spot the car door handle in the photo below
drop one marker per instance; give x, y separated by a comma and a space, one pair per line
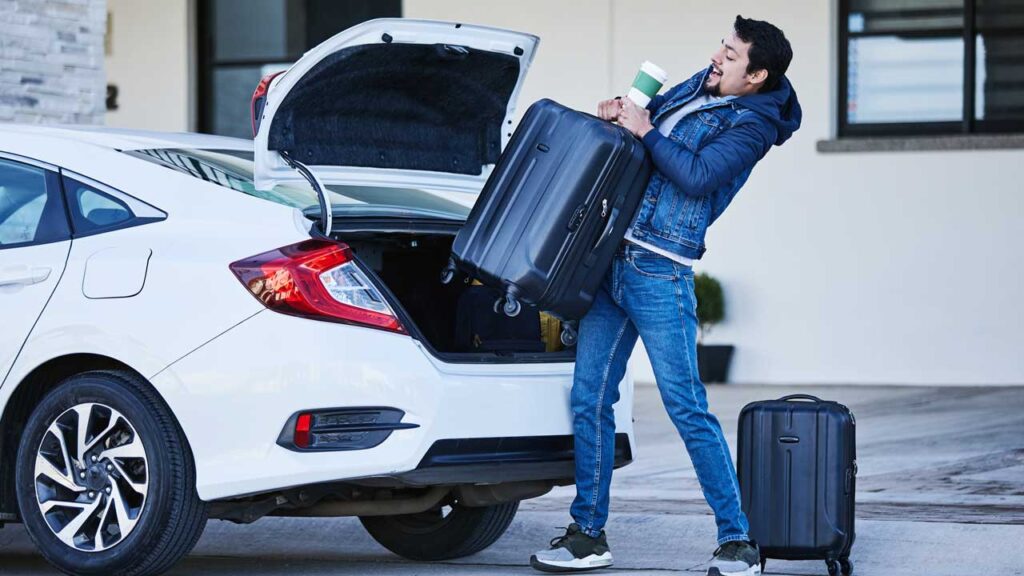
24, 275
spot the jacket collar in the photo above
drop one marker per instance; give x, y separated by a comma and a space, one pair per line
691, 89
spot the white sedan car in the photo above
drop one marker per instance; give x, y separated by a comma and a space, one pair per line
190, 331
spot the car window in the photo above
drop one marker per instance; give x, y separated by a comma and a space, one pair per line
94, 210
31, 211
100, 210
21, 225
234, 169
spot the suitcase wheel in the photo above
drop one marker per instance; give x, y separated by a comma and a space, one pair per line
448, 274
568, 335
833, 567
509, 305
846, 565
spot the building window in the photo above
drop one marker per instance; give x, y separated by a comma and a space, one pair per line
910, 67
240, 41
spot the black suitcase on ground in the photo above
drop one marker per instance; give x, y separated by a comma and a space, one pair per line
553, 211
797, 469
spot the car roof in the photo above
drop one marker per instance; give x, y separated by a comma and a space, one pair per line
125, 139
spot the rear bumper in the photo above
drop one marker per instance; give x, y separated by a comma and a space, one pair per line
497, 460
234, 395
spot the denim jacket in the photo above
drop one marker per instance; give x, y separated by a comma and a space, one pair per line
705, 160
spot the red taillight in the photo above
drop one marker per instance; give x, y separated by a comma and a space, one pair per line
316, 279
259, 99
302, 426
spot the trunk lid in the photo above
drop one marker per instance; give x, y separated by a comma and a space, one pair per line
395, 102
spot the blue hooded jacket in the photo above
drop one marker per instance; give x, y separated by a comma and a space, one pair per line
705, 160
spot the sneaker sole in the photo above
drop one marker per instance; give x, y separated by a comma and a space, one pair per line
592, 562
752, 571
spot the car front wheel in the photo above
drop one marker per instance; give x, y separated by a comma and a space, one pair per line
105, 478
447, 532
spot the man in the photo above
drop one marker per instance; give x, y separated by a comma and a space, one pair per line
704, 136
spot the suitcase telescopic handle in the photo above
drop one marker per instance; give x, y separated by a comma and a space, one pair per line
800, 397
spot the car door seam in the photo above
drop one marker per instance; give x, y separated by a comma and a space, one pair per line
64, 269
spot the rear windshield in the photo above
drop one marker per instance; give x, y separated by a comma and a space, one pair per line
234, 169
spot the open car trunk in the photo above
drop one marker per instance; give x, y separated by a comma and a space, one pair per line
394, 101
409, 264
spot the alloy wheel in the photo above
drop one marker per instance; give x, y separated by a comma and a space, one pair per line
91, 477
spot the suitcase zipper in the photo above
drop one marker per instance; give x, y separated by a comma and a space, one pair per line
612, 169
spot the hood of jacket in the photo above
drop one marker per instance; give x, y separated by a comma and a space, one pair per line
780, 107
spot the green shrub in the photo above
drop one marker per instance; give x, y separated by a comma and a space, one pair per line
710, 302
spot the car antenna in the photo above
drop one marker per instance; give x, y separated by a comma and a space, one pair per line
326, 210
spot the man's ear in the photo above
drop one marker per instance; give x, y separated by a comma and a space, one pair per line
758, 78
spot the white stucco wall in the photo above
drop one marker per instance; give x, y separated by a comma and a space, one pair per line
151, 64
838, 268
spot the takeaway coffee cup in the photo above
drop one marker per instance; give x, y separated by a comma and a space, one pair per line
649, 80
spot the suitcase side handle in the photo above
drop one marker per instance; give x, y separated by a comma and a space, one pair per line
608, 229
800, 397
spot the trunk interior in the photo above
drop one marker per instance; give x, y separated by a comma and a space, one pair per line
409, 264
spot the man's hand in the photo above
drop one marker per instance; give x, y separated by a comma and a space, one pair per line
634, 118
609, 109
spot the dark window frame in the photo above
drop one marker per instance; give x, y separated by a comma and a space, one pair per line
75, 216
968, 124
207, 61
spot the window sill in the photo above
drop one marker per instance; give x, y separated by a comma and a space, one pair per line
923, 143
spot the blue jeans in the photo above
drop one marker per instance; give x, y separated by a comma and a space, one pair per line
649, 296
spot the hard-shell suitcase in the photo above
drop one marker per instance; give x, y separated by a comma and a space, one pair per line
553, 211
797, 467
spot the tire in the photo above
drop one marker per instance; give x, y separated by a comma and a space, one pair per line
157, 515
434, 535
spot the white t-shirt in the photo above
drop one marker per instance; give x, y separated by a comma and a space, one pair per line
665, 127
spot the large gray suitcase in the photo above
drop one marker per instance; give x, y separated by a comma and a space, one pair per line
553, 211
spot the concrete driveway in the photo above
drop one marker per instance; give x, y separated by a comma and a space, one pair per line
940, 492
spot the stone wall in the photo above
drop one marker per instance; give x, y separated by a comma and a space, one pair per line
51, 61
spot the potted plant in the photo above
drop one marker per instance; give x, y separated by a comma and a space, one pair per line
712, 360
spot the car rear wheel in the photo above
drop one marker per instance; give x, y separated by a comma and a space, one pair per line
447, 532
105, 478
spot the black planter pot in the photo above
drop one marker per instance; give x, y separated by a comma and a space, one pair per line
713, 362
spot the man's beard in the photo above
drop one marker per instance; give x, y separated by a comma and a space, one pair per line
713, 90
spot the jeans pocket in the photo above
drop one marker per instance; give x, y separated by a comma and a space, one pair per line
655, 267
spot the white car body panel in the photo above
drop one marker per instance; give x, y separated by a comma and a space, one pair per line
236, 420
116, 272
207, 228
271, 169
28, 276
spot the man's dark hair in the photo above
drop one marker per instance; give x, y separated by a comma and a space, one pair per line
769, 49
